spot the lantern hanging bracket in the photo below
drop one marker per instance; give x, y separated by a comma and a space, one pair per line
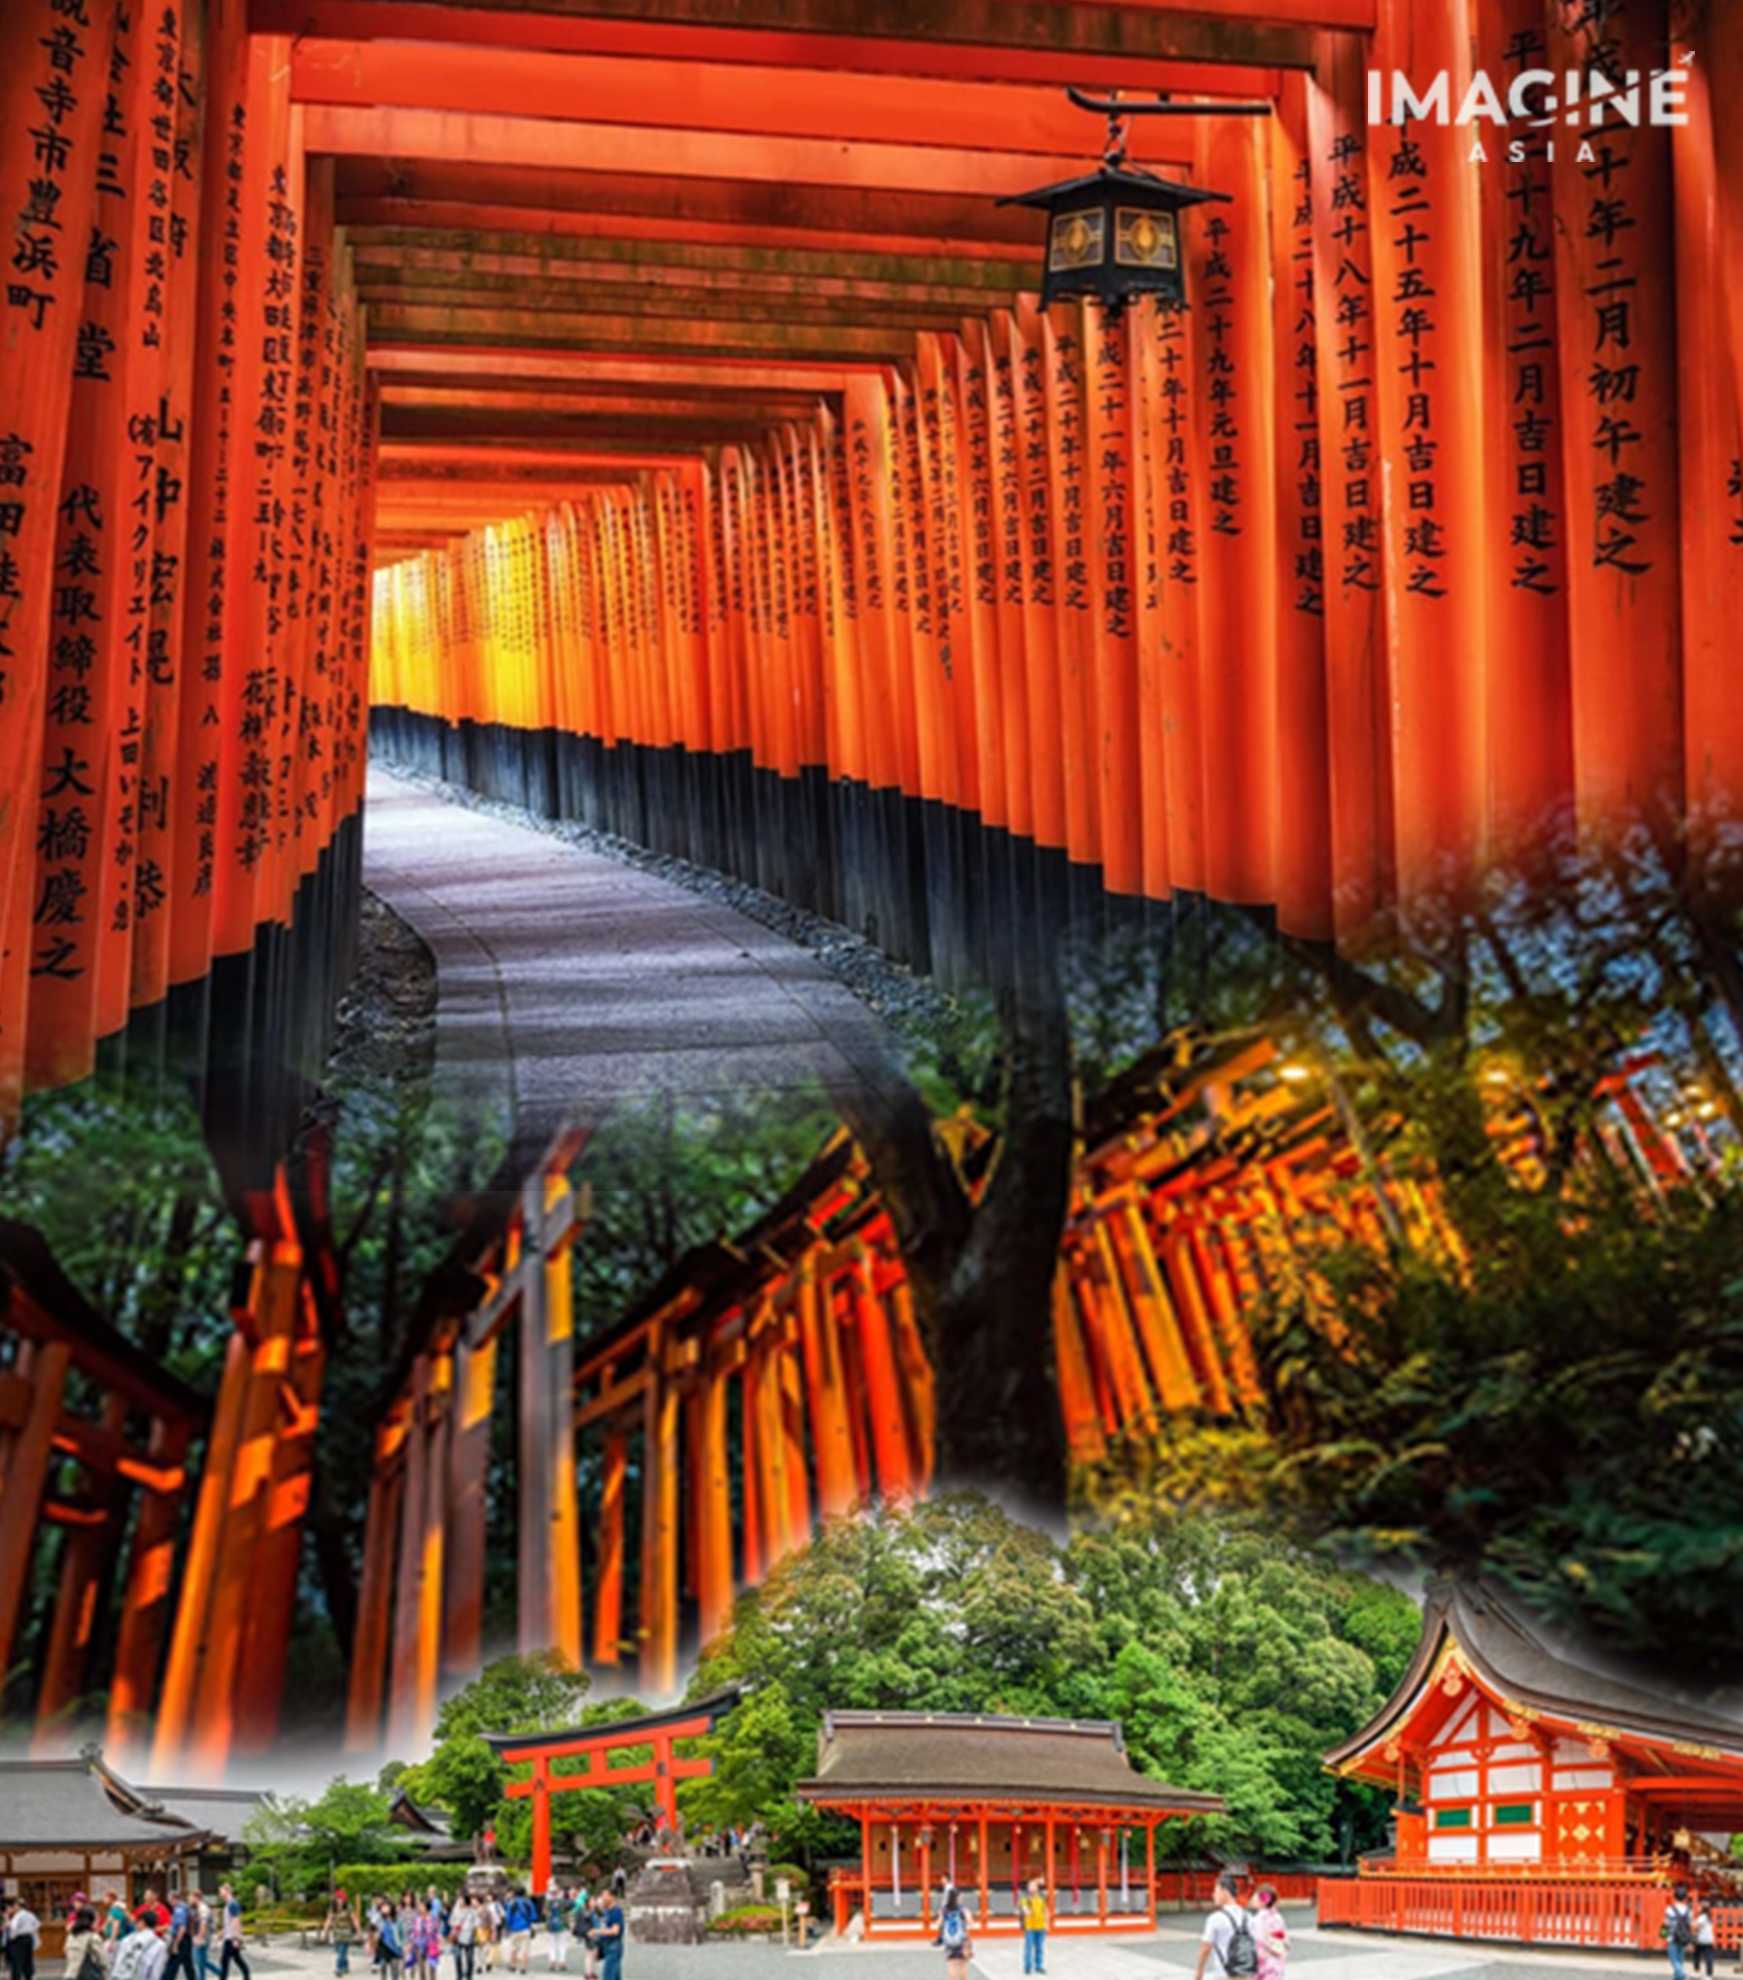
1119, 114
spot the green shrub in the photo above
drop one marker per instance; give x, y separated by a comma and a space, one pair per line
744, 1919
362, 1881
795, 1873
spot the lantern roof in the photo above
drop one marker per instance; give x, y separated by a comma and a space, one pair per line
1129, 181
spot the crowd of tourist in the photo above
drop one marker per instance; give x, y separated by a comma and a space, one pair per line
183, 1937
407, 1938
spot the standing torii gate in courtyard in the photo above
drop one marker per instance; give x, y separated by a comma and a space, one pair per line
647, 1747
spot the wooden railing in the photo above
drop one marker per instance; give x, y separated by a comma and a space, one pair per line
1181, 1888
1615, 1915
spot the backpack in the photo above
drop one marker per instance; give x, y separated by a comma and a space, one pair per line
91, 1966
1682, 1925
1242, 1956
129, 1956
953, 1930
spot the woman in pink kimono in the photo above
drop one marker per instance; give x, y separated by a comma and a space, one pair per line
1270, 1934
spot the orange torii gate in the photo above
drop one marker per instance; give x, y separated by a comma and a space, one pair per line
781, 1377
83, 1477
421, 1603
192, 1507
594, 1746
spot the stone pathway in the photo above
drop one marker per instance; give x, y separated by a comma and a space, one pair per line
1172, 1949
568, 983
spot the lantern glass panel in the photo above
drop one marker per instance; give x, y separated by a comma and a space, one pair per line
1076, 240
1143, 239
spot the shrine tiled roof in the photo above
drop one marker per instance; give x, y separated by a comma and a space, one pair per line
81, 1804
1522, 1665
982, 1758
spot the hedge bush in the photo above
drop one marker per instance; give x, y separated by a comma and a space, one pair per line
743, 1919
362, 1881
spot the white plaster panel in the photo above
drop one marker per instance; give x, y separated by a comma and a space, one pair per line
1452, 1783
1452, 1849
1567, 1778
1516, 1780
1515, 1846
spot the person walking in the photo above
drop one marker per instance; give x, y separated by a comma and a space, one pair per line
180, 1963
85, 1956
557, 1929
463, 1936
341, 1929
953, 1936
1706, 1937
230, 1935
1678, 1929
1034, 1928
1227, 1946
610, 1937
23, 1931
517, 1931
1270, 1934
583, 1918
142, 1954
389, 1948
117, 1924
491, 1916
202, 1934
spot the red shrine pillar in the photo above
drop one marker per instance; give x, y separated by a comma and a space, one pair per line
541, 1824
665, 1788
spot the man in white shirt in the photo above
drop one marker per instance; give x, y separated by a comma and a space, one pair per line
142, 1955
23, 1930
1220, 1927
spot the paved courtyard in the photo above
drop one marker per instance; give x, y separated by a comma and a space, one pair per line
1170, 1950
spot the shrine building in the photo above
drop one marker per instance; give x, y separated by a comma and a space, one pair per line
1540, 1794
72, 1826
986, 1803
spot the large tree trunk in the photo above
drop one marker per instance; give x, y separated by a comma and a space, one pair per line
982, 1272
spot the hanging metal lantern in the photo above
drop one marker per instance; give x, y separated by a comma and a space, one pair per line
1116, 233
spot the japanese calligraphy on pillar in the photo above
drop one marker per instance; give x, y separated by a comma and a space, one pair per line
1616, 298
85, 840
1237, 599
1355, 656
1117, 743
1298, 408
1303, 767
1428, 347
53, 102
1003, 495
979, 578
1063, 352
158, 435
1530, 735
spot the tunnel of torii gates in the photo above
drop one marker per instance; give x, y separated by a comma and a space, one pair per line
641, 410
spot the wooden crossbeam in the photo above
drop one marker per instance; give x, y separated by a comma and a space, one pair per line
676, 256
1156, 47
744, 100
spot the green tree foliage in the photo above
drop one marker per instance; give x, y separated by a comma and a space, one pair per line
1555, 1395
118, 1179
294, 1842
1232, 1659
663, 1179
